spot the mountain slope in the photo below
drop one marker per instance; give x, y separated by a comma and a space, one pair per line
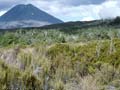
27, 14
115, 22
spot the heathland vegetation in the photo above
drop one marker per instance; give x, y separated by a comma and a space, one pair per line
54, 59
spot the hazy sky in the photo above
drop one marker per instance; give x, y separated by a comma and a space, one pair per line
70, 10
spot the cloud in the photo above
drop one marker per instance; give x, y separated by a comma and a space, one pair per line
83, 2
68, 12
71, 10
73, 2
110, 9
6, 4
2, 12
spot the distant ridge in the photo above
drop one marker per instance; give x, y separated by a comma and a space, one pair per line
26, 16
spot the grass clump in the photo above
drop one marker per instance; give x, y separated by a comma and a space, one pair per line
88, 59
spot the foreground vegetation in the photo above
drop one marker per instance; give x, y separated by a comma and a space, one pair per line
84, 59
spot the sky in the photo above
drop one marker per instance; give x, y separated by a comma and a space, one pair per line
70, 10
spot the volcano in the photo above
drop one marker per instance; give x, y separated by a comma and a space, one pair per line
28, 15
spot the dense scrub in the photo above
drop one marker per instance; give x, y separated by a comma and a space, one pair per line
36, 36
56, 60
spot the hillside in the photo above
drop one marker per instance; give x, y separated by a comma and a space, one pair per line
26, 16
69, 66
38, 51
53, 59
68, 26
115, 22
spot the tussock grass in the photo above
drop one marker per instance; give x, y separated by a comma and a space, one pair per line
55, 60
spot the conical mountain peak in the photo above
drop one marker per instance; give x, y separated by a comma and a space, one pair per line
28, 12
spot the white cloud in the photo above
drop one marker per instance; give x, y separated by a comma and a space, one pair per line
87, 19
2, 12
108, 9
